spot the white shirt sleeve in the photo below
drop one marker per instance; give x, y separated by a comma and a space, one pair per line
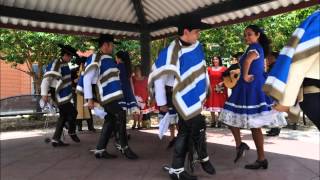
45, 86
160, 90
87, 83
307, 67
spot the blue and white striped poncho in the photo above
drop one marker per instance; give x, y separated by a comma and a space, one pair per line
191, 79
108, 84
305, 42
61, 72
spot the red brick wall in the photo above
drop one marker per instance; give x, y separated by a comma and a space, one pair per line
13, 82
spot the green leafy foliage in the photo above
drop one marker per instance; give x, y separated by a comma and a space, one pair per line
20, 47
228, 40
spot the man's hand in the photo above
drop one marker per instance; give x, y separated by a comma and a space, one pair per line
164, 108
90, 104
281, 108
45, 99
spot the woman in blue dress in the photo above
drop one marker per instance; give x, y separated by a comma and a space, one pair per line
248, 106
129, 102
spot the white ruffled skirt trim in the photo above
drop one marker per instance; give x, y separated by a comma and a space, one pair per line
212, 109
270, 119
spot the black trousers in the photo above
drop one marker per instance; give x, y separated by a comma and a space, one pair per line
115, 120
68, 114
191, 131
311, 107
89, 122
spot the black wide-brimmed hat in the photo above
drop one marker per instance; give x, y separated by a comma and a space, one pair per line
106, 38
190, 22
68, 49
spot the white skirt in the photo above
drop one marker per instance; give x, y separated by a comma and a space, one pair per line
270, 119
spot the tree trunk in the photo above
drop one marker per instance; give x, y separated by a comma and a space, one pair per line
37, 86
40, 76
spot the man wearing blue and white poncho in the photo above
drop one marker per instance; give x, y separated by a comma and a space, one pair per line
296, 75
57, 82
101, 72
181, 66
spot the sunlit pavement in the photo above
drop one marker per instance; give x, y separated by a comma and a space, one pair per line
294, 155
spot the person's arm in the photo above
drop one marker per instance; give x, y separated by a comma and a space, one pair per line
131, 84
160, 92
307, 67
252, 55
87, 87
45, 85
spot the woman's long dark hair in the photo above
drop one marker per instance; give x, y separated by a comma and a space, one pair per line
125, 57
263, 39
220, 60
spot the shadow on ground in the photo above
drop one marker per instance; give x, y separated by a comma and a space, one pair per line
31, 158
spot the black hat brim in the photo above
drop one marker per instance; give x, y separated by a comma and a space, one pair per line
191, 22
68, 49
98, 40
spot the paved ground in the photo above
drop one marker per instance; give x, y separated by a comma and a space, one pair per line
294, 155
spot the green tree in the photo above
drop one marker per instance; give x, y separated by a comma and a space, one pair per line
133, 47
228, 40
39, 48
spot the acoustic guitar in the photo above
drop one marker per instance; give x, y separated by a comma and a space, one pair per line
231, 76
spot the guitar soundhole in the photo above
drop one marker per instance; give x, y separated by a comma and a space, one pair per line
235, 76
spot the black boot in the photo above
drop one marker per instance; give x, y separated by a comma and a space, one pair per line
92, 129
213, 124
182, 176
258, 164
274, 132
75, 138
269, 131
129, 153
103, 154
208, 167
240, 151
219, 124
59, 143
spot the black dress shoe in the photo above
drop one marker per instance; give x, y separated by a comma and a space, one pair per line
75, 138
59, 143
129, 153
92, 129
240, 151
208, 167
105, 155
269, 131
273, 134
213, 125
257, 165
183, 176
219, 124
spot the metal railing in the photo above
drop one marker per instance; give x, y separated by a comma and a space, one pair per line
20, 105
